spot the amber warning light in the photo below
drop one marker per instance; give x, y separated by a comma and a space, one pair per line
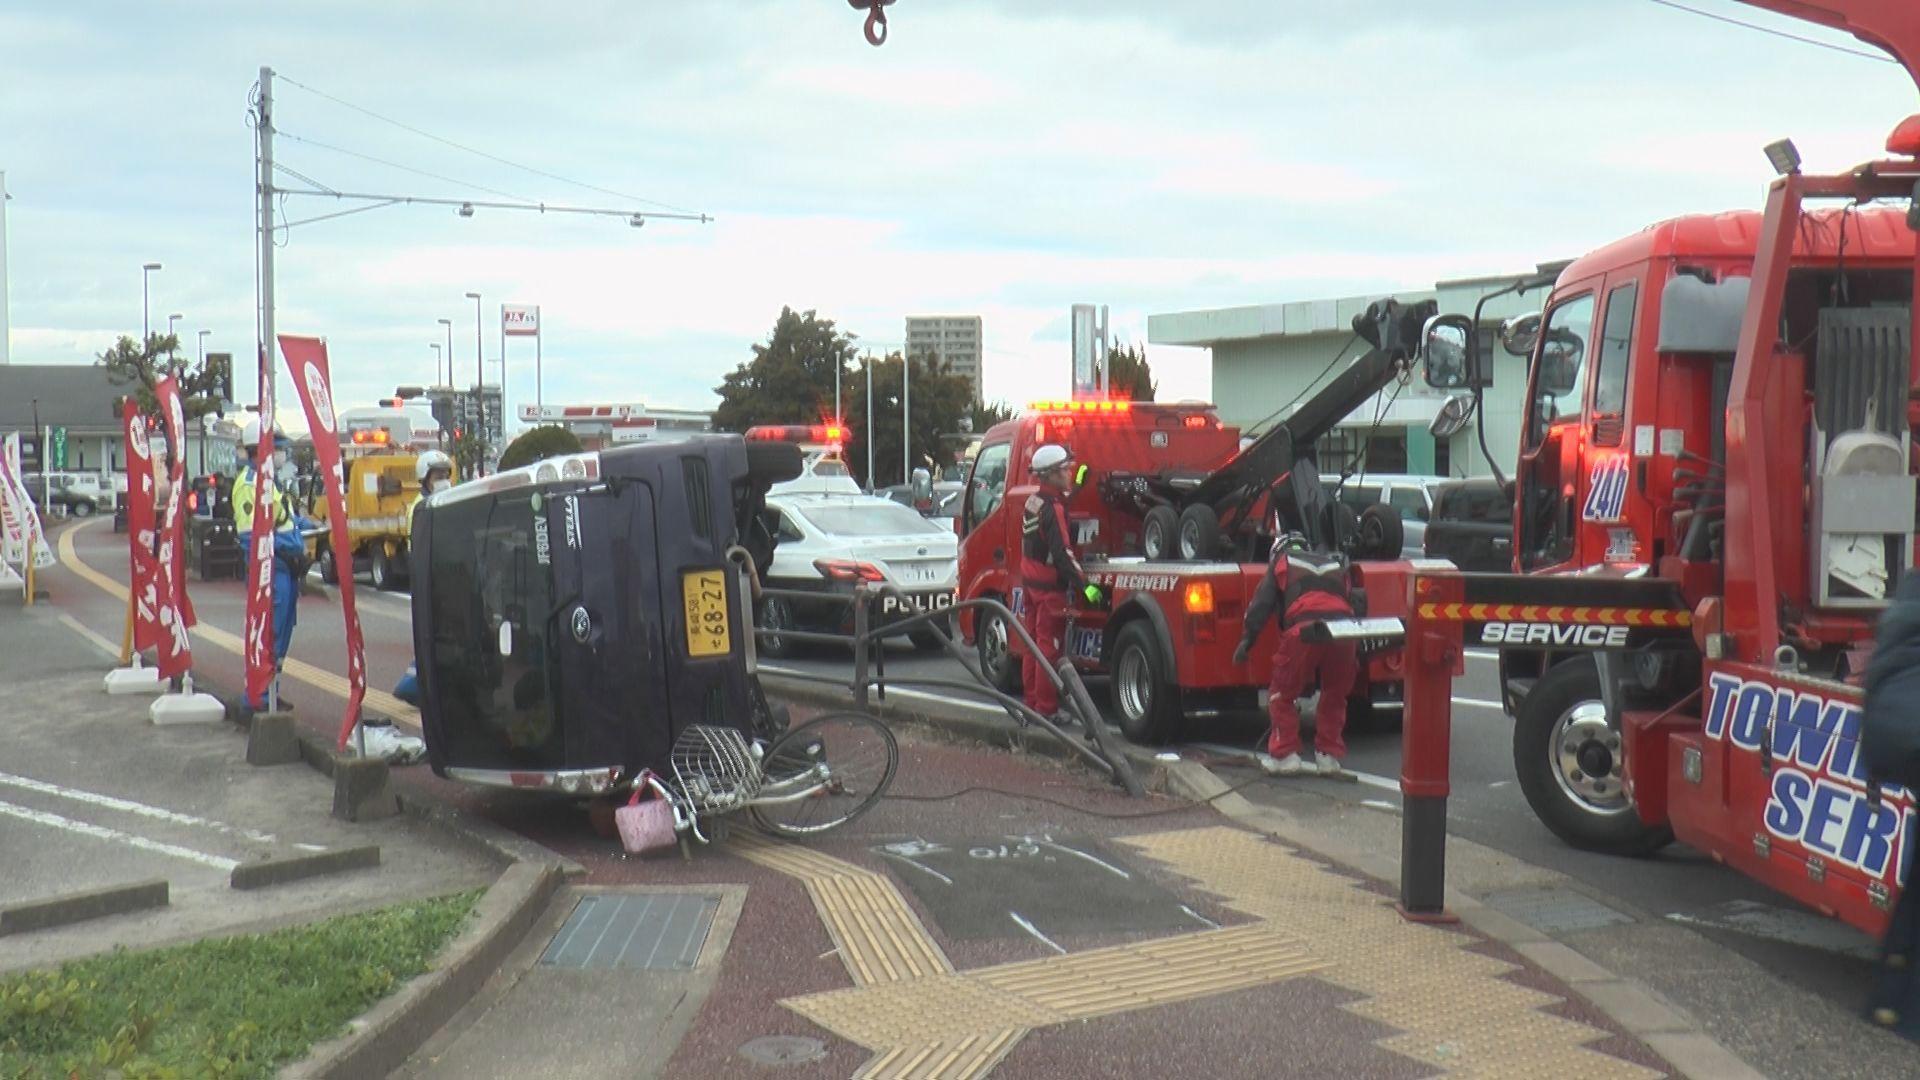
798, 433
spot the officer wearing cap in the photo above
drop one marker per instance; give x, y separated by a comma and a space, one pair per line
1049, 572
289, 550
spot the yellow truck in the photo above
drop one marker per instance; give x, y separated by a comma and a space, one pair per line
381, 489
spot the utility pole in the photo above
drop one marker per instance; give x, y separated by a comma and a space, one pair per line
267, 345
906, 419
479, 386
869, 365
5, 355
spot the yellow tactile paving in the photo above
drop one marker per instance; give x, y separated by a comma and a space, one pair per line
960, 1059
299, 670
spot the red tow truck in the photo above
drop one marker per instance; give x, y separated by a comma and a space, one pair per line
1715, 498
1175, 602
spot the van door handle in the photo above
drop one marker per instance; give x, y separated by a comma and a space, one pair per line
999, 554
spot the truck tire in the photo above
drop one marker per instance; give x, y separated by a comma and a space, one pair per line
1144, 693
1568, 761
1199, 532
329, 570
382, 571
1381, 533
1159, 533
992, 643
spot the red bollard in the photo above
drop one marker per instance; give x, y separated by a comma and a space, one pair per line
1433, 657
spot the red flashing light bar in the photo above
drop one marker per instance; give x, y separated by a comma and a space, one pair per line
376, 437
1082, 406
798, 433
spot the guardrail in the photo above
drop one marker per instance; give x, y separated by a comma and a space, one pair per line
870, 678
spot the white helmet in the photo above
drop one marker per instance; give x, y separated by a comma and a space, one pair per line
429, 461
1050, 457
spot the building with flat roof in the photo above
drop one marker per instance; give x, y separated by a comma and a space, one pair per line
1267, 358
952, 339
84, 403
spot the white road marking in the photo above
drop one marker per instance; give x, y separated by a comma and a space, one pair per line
1384, 783
1035, 931
1101, 863
1199, 916
1480, 703
1501, 784
1779, 924
1380, 804
917, 866
129, 806
96, 640
100, 832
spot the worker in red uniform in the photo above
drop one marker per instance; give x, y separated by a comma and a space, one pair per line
1048, 572
1300, 587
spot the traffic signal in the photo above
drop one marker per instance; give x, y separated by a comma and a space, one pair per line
443, 413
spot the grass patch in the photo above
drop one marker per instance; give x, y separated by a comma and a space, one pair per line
227, 1008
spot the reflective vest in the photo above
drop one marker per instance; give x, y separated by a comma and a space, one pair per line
1038, 551
1316, 586
243, 496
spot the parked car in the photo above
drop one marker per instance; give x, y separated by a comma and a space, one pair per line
943, 502
1472, 525
1411, 496
66, 494
828, 544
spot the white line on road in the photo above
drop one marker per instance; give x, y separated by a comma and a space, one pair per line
1380, 804
100, 832
1031, 929
1101, 863
1482, 654
917, 866
1199, 916
84, 631
1480, 703
129, 806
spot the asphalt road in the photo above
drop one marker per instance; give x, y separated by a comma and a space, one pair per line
1679, 884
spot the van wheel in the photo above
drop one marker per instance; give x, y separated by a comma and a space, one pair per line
776, 614
82, 509
993, 643
382, 569
1143, 690
1568, 760
1159, 533
1199, 532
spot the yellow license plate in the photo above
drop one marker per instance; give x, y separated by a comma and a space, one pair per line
709, 626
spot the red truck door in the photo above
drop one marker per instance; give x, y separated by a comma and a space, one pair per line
989, 555
1553, 489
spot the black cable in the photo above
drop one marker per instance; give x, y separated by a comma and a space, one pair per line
1251, 428
1816, 42
478, 153
396, 165
1162, 812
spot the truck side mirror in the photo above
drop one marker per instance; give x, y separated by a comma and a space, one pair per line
1518, 334
1446, 352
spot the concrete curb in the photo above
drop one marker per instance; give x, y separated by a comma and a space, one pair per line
1641, 1013
69, 908
381, 1040
279, 871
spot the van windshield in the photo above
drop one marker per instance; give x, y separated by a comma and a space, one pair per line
492, 571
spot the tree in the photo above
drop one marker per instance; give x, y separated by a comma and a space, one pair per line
790, 378
203, 384
550, 440
1128, 376
939, 400
988, 414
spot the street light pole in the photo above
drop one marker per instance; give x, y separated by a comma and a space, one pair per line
870, 484
146, 327
435, 346
906, 420
203, 347
448, 323
171, 319
479, 384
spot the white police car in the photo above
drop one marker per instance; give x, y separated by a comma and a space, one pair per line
829, 543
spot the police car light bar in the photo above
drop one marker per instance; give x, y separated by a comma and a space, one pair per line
1380, 631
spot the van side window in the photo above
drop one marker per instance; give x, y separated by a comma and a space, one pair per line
989, 483
1616, 341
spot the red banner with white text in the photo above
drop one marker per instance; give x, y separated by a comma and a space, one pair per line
307, 358
258, 641
141, 536
175, 612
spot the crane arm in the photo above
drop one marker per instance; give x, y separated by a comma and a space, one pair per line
1889, 25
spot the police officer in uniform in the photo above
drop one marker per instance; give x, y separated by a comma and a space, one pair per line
1048, 572
1300, 587
289, 551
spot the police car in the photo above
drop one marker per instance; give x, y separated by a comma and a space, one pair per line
829, 543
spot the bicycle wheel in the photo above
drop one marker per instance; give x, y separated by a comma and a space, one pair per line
849, 758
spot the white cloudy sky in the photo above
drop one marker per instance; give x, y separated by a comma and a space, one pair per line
998, 157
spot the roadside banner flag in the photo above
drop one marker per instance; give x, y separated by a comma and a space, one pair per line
19, 523
175, 612
258, 641
307, 357
142, 538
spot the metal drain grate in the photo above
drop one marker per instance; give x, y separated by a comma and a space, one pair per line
1555, 911
634, 931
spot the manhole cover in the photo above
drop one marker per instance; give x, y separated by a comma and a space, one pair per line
783, 1050
634, 931
1554, 911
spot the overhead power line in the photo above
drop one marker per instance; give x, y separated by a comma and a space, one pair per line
402, 125
395, 165
1816, 42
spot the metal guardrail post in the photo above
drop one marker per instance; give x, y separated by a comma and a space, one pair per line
1097, 730
1434, 656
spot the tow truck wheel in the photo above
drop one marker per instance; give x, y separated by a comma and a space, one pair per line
1382, 533
991, 640
1199, 532
1569, 762
382, 572
329, 569
1147, 700
1159, 532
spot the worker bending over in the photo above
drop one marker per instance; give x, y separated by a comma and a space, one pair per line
1299, 588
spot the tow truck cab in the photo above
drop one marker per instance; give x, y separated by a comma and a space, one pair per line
1169, 631
571, 617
